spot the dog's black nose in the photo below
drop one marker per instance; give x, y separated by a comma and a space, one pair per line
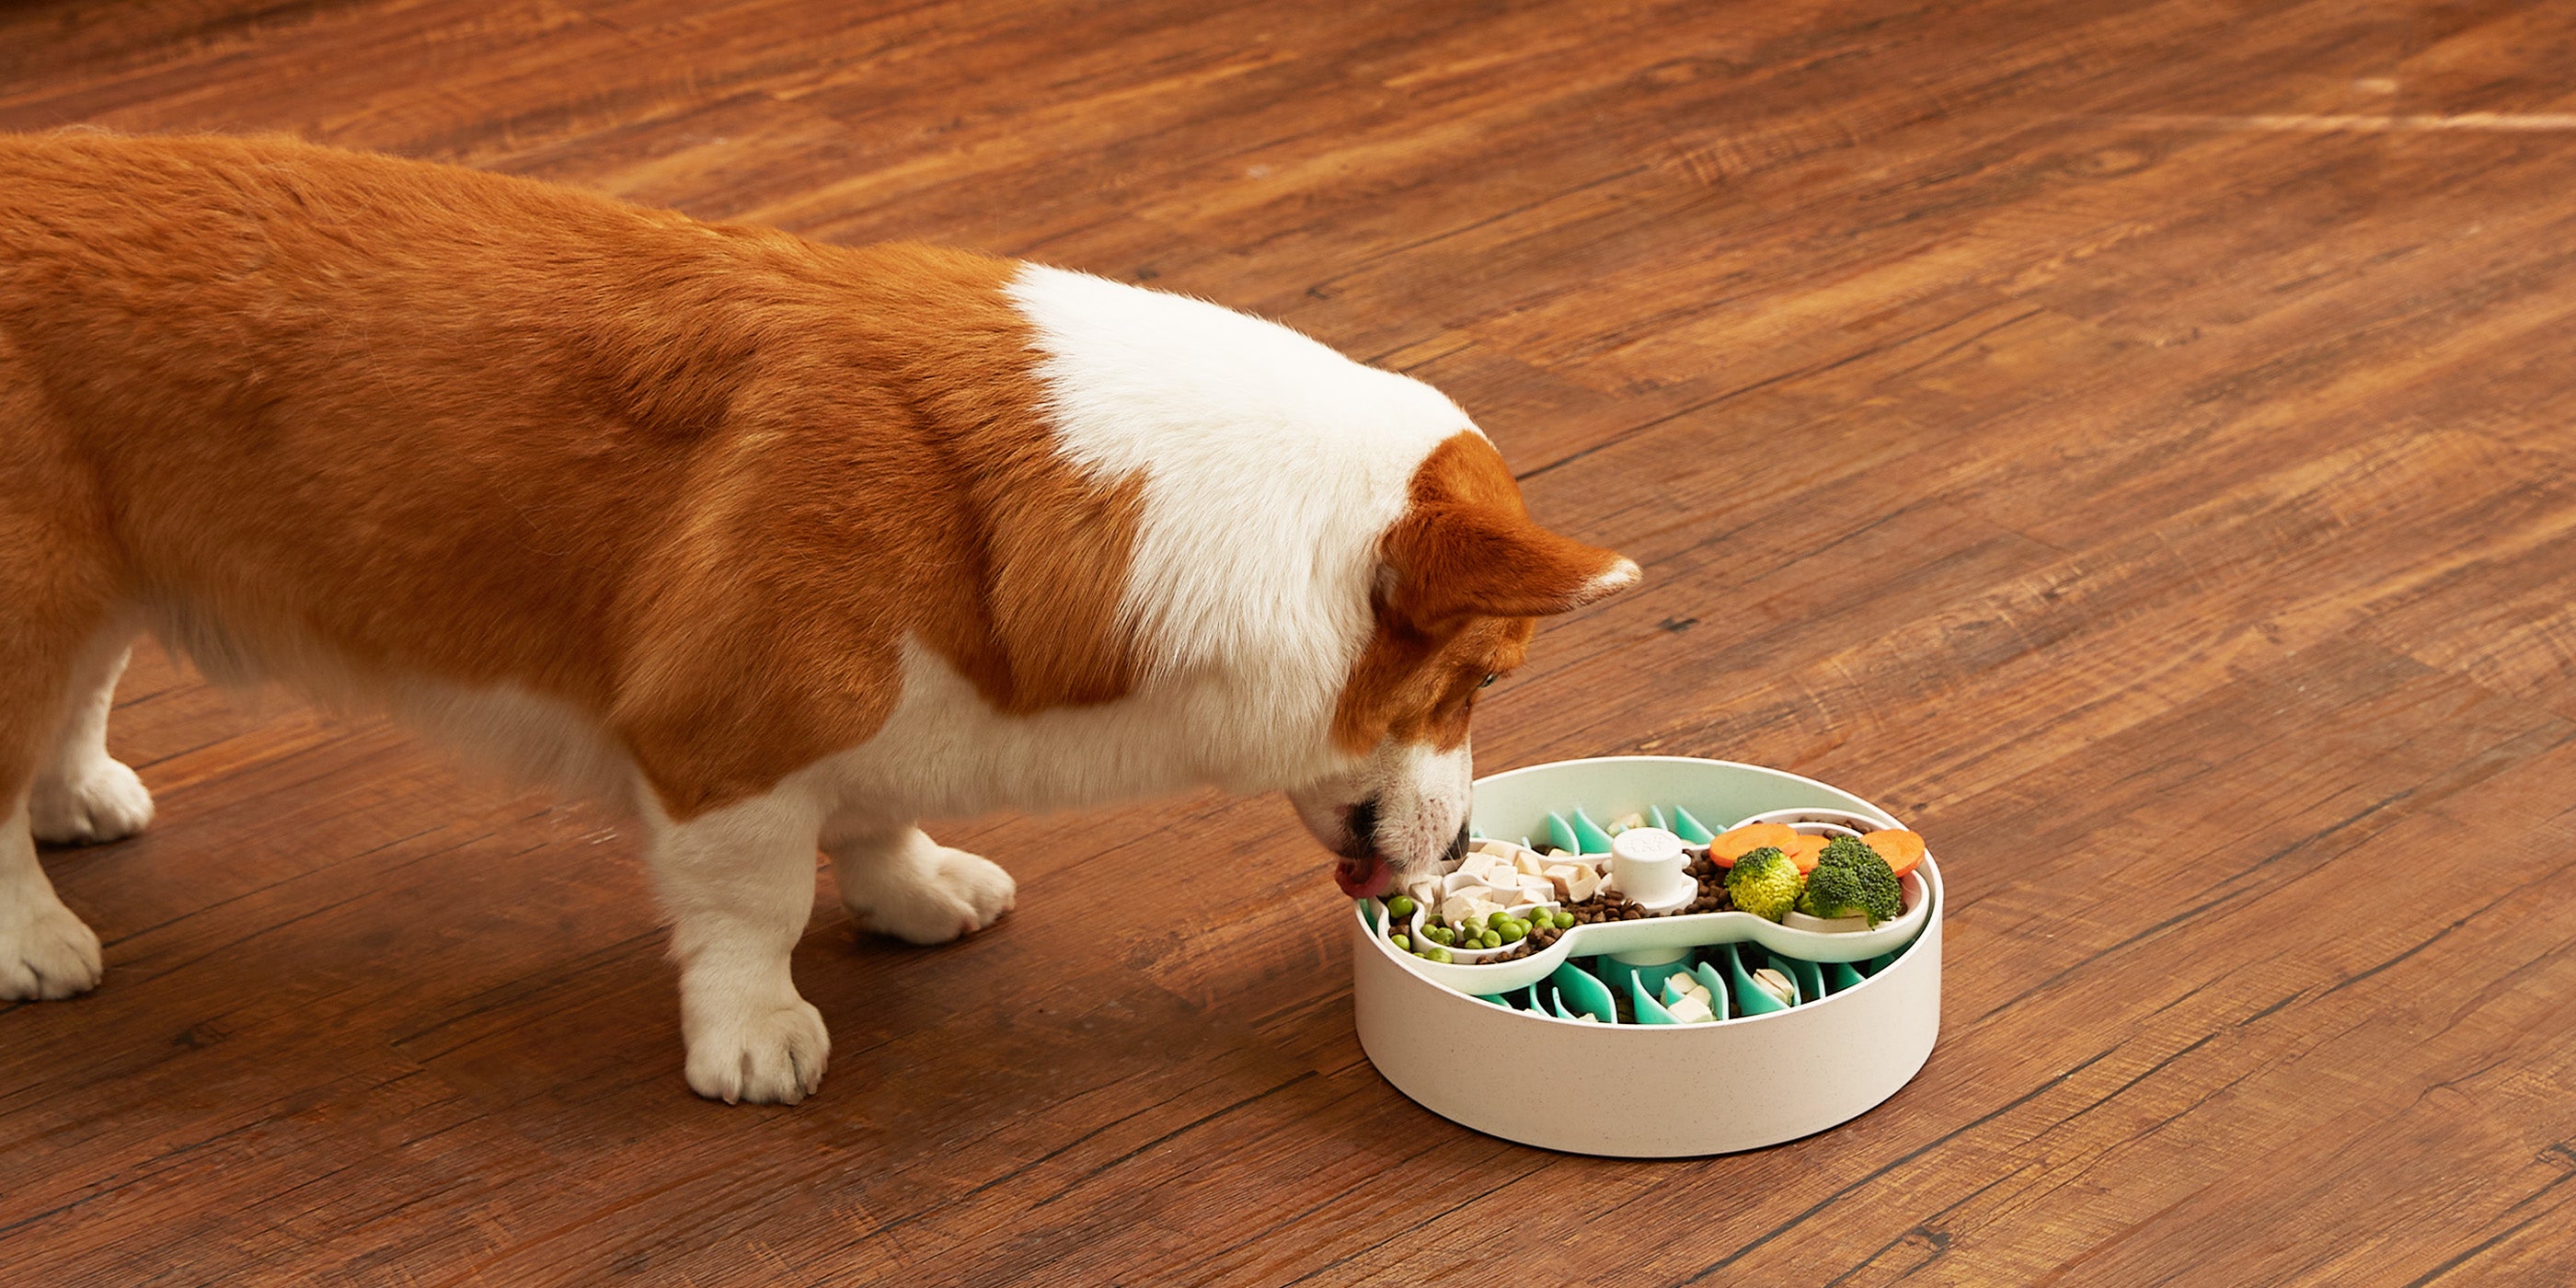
1363, 825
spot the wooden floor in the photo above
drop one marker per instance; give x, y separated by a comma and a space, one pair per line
2132, 440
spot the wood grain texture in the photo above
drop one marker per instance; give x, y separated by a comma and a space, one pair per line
2131, 440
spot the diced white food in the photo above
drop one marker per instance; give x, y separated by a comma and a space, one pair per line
1691, 1010
1581, 882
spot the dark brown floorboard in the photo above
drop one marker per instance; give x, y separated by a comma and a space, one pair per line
2133, 440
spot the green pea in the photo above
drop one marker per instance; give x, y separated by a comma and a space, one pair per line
1403, 942
1564, 919
1514, 932
1399, 907
1436, 953
1491, 939
1497, 920
1439, 935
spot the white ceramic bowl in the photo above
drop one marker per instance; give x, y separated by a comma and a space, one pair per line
1649, 1091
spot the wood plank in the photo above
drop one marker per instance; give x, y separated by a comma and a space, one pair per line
2130, 441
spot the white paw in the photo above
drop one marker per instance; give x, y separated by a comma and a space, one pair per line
45, 951
954, 893
101, 801
773, 1056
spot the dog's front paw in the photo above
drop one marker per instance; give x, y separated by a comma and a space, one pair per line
98, 802
770, 1056
45, 951
944, 894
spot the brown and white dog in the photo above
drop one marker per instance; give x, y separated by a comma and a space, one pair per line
778, 545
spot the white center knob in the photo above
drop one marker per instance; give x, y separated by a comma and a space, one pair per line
1648, 863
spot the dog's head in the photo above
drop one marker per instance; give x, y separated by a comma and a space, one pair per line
1461, 578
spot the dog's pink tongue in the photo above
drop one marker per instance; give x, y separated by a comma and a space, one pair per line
1363, 878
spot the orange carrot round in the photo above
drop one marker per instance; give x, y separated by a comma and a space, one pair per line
1901, 849
1735, 843
1804, 851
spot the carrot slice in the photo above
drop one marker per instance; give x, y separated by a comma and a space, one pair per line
1901, 849
1804, 851
1735, 843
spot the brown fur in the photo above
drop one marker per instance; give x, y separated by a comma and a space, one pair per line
696, 480
1468, 570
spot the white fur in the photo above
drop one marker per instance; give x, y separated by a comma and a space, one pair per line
84, 796
45, 951
1272, 466
738, 886
81, 795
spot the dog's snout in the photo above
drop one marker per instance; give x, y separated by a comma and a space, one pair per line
1458, 844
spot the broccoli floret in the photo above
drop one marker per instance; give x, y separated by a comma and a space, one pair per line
1765, 883
1850, 880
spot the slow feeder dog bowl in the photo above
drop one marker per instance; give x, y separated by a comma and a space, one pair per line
1493, 1047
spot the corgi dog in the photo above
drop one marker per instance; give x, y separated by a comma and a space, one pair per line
775, 546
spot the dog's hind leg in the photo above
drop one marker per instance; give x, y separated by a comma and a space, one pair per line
84, 795
899, 882
738, 885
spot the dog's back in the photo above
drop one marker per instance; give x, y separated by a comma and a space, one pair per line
337, 417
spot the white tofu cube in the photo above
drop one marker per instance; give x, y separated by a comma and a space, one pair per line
1624, 822
1558, 876
1503, 848
1691, 1010
1581, 882
1528, 863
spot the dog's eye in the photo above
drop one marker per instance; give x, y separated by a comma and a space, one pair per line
1488, 681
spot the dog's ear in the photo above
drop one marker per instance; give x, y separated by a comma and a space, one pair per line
1451, 559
